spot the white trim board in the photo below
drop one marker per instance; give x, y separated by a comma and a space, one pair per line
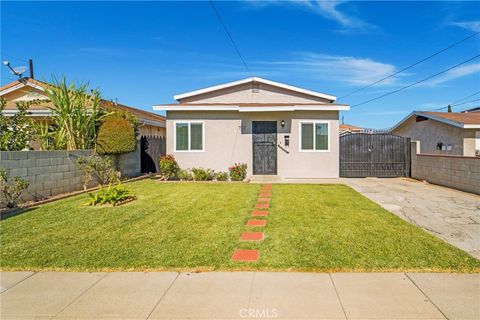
21, 85
322, 107
254, 79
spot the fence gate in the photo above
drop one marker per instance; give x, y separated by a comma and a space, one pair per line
151, 149
374, 155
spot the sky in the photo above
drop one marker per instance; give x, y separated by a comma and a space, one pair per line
143, 53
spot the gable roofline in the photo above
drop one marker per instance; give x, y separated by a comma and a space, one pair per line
144, 116
254, 79
436, 118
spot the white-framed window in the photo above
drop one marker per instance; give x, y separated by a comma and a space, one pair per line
314, 136
189, 136
477, 143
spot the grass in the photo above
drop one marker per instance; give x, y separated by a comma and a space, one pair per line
196, 226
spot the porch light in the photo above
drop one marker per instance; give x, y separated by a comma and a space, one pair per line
282, 123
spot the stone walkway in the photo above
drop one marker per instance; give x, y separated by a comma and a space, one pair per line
238, 295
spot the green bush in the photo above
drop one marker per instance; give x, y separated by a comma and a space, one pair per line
168, 167
185, 175
114, 195
11, 192
238, 172
98, 168
200, 174
221, 176
115, 136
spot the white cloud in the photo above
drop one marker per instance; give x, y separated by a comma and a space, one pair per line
327, 9
456, 73
352, 70
469, 25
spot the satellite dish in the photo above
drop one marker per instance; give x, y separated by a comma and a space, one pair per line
18, 71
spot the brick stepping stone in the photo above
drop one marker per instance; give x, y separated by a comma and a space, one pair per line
241, 255
251, 236
264, 194
259, 213
256, 223
262, 206
263, 199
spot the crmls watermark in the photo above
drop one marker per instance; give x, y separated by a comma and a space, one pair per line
258, 313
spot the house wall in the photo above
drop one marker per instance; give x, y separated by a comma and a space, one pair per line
430, 132
152, 131
244, 94
228, 139
458, 172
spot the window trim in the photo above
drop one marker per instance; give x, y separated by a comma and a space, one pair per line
189, 122
314, 122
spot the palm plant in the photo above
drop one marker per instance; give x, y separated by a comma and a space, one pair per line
76, 115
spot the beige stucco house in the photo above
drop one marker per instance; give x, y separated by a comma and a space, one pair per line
27, 89
449, 133
276, 129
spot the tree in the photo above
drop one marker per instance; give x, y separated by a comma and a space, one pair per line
76, 115
16, 131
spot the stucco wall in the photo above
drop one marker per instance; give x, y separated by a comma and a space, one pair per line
458, 172
244, 94
228, 139
430, 132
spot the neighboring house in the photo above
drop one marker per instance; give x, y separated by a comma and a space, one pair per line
348, 128
276, 129
454, 133
26, 89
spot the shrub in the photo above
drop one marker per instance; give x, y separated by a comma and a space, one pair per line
200, 174
115, 136
221, 176
168, 167
16, 131
238, 172
114, 195
185, 175
11, 191
98, 168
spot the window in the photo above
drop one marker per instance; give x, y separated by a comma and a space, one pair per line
314, 136
189, 136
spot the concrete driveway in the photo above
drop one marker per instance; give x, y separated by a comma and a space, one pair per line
449, 214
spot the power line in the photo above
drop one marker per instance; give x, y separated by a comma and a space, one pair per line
415, 83
469, 96
459, 104
455, 103
230, 36
411, 66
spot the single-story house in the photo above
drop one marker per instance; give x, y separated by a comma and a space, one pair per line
275, 128
349, 128
451, 133
27, 89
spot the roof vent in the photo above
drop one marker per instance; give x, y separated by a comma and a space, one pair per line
255, 87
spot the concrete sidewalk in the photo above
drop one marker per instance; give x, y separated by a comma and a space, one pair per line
238, 295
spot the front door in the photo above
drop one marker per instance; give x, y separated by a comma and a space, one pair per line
264, 135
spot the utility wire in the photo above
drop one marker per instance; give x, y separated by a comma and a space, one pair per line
459, 104
469, 96
230, 37
415, 83
455, 103
411, 66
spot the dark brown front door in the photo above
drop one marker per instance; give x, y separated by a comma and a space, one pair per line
264, 135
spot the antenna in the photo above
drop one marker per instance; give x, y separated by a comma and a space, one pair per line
17, 71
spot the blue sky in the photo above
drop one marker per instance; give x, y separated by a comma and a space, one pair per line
143, 53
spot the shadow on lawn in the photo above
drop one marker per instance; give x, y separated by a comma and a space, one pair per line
10, 213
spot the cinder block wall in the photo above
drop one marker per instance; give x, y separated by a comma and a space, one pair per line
54, 172
458, 172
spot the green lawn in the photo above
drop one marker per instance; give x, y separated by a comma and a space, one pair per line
196, 226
